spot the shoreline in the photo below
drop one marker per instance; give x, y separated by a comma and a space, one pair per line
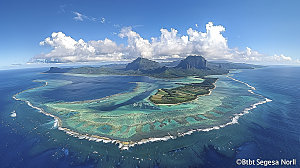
125, 145
210, 91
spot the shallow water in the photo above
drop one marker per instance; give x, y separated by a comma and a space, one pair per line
32, 140
128, 115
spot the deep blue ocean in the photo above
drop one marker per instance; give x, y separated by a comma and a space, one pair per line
269, 132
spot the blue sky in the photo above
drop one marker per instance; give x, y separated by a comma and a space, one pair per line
268, 27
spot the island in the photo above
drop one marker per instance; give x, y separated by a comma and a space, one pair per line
190, 66
142, 101
185, 93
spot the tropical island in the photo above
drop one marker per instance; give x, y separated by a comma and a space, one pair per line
142, 101
190, 66
184, 93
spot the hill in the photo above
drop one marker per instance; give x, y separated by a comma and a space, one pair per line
190, 62
190, 66
142, 64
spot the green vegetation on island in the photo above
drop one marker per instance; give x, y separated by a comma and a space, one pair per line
184, 93
190, 66
142, 64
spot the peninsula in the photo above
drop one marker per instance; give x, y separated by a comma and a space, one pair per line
190, 66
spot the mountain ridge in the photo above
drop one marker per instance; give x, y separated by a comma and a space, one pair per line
190, 66
190, 62
142, 64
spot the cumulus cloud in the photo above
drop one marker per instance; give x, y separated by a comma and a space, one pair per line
169, 45
66, 49
137, 46
252, 56
210, 43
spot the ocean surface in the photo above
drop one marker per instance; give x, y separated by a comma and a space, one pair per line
270, 131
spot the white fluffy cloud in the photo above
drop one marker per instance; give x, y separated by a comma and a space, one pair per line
66, 49
137, 46
210, 44
252, 56
169, 45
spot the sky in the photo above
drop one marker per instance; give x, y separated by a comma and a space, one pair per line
252, 31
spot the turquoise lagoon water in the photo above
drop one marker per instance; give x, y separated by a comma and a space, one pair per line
128, 115
118, 108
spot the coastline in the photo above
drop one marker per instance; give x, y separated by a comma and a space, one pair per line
125, 145
210, 91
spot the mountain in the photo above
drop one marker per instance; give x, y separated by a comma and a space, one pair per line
193, 62
190, 66
142, 64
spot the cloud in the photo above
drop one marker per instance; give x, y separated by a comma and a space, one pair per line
66, 49
210, 43
137, 46
116, 25
102, 20
282, 58
168, 46
252, 56
81, 17
62, 8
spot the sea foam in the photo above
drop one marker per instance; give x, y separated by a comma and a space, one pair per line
126, 145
